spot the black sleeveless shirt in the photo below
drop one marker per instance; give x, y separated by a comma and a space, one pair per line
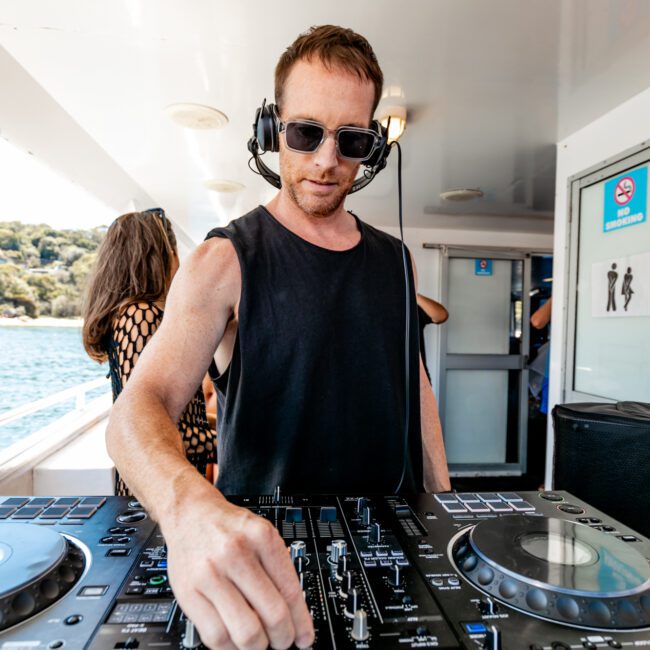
314, 397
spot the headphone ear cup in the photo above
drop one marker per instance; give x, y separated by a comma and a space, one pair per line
380, 154
266, 128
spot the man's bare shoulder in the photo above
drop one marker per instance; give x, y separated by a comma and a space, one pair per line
210, 275
214, 254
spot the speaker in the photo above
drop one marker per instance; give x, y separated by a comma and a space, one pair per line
602, 455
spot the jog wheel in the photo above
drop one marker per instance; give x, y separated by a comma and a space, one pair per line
558, 570
37, 567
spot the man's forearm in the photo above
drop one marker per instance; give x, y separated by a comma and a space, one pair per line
148, 452
436, 473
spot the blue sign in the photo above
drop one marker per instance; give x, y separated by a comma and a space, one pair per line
483, 267
626, 200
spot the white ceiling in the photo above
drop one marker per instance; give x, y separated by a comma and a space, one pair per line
491, 86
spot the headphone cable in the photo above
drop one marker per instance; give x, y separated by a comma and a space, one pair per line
407, 337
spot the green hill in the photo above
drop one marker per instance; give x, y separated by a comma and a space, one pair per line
43, 270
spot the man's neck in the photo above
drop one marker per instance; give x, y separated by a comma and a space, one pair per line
337, 231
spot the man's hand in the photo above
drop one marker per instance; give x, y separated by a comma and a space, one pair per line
233, 577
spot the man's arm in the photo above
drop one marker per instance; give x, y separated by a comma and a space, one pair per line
434, 310
230, 569
436, 474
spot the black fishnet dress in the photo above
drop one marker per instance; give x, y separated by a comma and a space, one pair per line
131, 331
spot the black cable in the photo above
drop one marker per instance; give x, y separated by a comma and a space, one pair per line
250, 160
262, 170
407, 333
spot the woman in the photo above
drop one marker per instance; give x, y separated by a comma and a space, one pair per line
123, 307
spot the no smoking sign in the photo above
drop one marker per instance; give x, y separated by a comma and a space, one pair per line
626, 198
624, 190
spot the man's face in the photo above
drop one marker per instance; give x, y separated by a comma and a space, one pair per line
319, 182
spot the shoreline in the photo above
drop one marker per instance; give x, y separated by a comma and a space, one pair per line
45, 321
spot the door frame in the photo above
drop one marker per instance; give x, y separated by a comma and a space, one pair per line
490, 361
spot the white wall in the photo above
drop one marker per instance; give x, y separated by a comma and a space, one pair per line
622, 128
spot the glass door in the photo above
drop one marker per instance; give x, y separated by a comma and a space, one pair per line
483, 376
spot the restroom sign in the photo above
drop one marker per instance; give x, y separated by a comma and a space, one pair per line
626, 200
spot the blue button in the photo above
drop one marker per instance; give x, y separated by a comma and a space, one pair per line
475, 628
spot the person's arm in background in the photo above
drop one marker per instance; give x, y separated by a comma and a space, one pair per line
436, 472
434, 310
542, 316
230, 569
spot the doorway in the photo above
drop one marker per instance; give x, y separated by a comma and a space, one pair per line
486, 406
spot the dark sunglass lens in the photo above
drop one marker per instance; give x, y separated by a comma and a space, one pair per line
303, 137
355, 144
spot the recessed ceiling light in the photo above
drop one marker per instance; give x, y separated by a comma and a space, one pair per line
223, 185
197, 116
461, 194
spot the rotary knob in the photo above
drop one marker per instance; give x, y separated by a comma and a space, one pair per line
351, 603
360, 626
191, 637
346, 585
338, 549
297, 549
341, 567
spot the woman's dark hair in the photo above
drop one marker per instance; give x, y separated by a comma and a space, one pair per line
133, 264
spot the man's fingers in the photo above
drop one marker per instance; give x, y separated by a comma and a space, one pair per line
277, 564
265, 598
208, 622
242, 623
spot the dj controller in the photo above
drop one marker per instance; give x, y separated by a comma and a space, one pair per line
510, 571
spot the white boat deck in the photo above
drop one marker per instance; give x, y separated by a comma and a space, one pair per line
66, 457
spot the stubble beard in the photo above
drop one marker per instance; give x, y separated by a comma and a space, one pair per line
317, 206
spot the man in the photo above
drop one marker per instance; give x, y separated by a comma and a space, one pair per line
315, 395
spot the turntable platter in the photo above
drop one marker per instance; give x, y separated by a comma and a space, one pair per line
26, 553
37, 566
559, 570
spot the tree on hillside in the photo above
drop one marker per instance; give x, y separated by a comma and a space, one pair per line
49, 249
44, 270
8, 240
15, 291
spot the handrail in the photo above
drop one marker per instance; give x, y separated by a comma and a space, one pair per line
77, 392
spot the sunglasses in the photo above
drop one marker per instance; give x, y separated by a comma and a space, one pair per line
352, 142
158, 212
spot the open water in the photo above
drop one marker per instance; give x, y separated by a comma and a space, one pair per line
36, 362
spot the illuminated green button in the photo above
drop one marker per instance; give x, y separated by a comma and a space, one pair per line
157, 580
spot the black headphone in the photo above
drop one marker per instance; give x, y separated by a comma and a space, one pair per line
266, 137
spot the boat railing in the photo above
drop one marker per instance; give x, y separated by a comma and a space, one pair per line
78, 392
62, 428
